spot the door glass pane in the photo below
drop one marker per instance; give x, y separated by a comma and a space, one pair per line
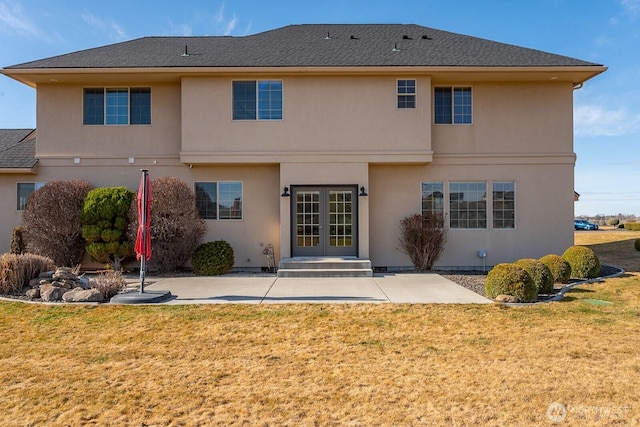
340, 218
308, 215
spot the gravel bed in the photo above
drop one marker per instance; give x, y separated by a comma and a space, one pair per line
472, 280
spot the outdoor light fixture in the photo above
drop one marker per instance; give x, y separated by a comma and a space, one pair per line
285, 193
362, 192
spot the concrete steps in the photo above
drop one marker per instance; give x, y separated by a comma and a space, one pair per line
325, 267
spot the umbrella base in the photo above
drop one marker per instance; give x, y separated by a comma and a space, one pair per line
146, 297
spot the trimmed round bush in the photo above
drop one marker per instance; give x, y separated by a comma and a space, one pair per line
560, 269
583, 261
510, 279
614, 222
636, 244
213, 258
540, 274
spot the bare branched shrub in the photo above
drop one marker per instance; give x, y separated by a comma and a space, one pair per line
51, 223
108, 282
176, 225
17, 270
423, 237
17, 241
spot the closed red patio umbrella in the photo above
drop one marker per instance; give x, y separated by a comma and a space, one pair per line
143, 239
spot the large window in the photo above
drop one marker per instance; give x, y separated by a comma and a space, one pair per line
433, 198
468, 205
452, 105
257, 100
219, 200
504, 205
117, 106
406, 94
24, 190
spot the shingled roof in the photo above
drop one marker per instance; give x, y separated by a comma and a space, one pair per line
17, 148
317, 45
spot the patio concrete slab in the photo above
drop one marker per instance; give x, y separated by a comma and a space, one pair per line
269, 289
426, 288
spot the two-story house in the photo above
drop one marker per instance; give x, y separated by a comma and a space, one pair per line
319, 139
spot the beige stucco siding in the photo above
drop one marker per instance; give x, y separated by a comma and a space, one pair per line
544, 210
326, 115
62, 134
261, 198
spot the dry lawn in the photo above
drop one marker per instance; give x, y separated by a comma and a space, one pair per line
361, 364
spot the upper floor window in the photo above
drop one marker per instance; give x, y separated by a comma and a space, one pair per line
504, 205
117, 106
406, 91
433, 198
452, 105
24, 190
219, 200
257, 100
468, 205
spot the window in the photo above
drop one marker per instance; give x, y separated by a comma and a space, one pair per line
117, 106
24, 190
433, 198
504, 205
257, 100
452, 105
406, 94
468, 205
219, 200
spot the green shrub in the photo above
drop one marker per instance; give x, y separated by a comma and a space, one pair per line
613, 222
632, 226
540, 274
510, 279
560, 269
213, 258
104, 220
17, 270
583, 261
636, 244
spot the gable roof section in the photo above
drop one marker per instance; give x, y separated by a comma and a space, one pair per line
316, 45
17, 150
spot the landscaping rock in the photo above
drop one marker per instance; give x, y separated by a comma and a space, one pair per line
49, 292
46, 274
506, 298
83, 295
33, 293
34, 283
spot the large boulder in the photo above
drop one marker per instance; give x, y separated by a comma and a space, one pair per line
49, 292
83, 295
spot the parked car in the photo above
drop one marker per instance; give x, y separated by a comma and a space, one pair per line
583, 224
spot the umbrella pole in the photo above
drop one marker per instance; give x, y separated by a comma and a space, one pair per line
143, 259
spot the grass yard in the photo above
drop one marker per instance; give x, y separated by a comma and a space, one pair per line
361, 364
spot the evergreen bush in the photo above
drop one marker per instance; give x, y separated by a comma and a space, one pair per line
213, 258
510, 279
540, 274
559, 267
583, 261
632, 226
613, 222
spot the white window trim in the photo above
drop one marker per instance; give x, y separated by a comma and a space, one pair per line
257, 119
452, 86
128, 88
515, 204
415, 94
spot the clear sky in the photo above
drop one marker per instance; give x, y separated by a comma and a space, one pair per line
606, 109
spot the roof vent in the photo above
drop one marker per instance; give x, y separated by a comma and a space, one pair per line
186, 51
328, 36
405, 37
426, 37
395, 48
353, 37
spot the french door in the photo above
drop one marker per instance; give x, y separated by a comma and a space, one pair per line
324, 221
